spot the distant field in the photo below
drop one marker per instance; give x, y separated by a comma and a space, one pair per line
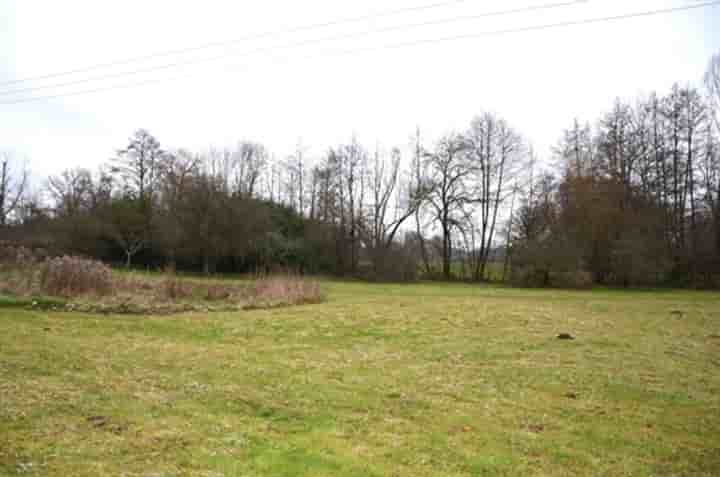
402, 380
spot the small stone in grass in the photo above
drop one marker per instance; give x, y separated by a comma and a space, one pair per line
565, 336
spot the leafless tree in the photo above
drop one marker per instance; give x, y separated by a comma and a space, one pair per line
576, 151
13, 182
296, 168
712, 83
178, 170
126, 225
249, 161
419, 169
495, 151
138, 164
449, 171
71, 191
391, 203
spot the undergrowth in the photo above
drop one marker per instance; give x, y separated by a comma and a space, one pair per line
91, 286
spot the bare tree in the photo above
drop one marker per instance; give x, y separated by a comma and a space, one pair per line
391, 204
712, 83
352, 164
71, 191
13, 182
508, 235
495, 151
297, 169
449, 171
576, 150
138, 164
420, 178
249, 161
178, 170
125, 224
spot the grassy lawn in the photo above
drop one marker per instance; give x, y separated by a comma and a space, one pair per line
402, 380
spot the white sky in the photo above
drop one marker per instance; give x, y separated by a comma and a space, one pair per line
539, 81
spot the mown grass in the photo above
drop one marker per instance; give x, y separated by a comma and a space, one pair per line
401, 380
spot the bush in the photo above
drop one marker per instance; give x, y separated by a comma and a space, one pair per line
579, 279
217, 292
72, 276
173, 287
284, 290
14, 257
19, 269
530, 277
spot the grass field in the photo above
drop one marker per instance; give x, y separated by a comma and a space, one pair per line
402, 380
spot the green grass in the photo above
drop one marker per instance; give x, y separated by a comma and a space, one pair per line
400, 380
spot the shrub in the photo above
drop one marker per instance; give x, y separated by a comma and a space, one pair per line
19, 270
217, 291
579, 279
173, 287
72, 276
529, 277
284, 290
13, 257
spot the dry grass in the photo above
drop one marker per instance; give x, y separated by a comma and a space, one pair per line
73, 276
91, 286
283, 290
24, 274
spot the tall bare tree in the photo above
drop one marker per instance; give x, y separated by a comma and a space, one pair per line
391, 203
13, 182
576, 150
249, 161
712, 83
138, 164
419, 168
449, 171
178, 171
495, 151
71, 191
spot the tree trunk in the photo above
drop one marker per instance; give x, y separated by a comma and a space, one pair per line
206, 264
421, 242
447, 252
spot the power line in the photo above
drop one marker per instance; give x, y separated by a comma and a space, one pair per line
299, 44
216, 44
533, 28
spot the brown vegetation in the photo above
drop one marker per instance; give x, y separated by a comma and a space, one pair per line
91, 285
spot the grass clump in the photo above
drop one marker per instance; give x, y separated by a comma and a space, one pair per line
74, 276
284, 290
173, 287
22, 273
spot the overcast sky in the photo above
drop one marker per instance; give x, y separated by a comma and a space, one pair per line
539, 81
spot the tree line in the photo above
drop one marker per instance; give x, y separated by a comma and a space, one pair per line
636, 200
630, 199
